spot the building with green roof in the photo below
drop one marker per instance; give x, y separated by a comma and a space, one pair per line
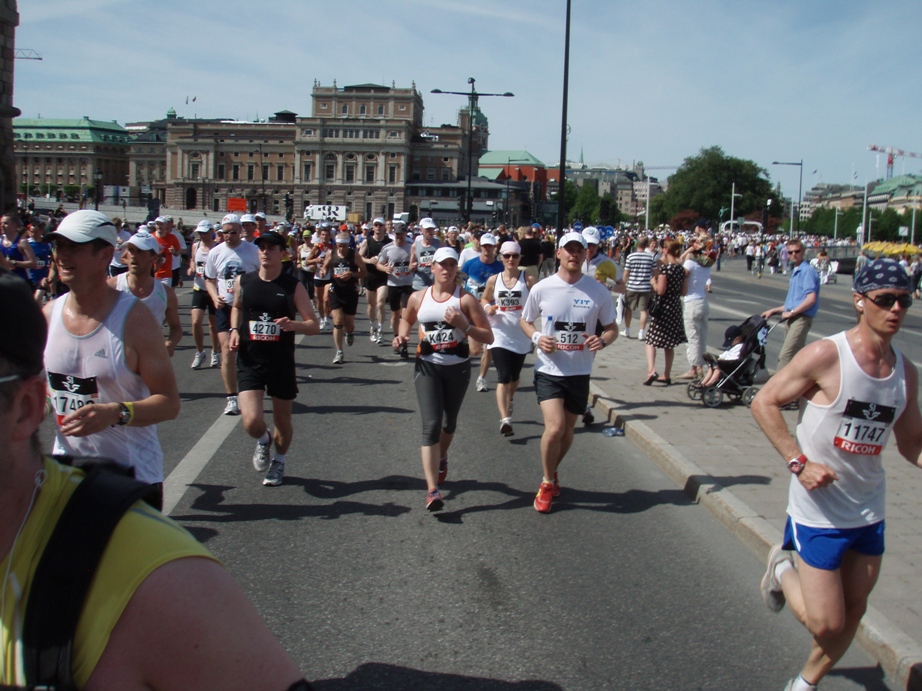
66, 157
899, 193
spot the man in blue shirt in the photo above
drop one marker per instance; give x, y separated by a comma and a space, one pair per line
476, 272
800, 306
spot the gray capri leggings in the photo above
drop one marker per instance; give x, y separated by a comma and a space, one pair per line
440, 390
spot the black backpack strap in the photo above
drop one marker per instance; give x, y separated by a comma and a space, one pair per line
63, 575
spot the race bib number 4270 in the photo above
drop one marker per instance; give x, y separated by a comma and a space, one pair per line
864, 427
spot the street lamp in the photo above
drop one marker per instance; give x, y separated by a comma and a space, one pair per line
800, 188
97, 177
471, 106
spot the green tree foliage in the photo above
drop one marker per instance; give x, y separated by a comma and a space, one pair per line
609, 213
885, 226
586, 208
703, 184
571, 192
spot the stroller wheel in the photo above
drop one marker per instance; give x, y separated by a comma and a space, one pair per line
712, 397
748, 394
694, 391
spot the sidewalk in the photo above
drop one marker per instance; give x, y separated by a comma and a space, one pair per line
723, 460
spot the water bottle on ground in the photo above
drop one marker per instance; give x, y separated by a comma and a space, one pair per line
613, 431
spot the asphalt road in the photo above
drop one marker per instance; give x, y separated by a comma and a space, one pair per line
625, 585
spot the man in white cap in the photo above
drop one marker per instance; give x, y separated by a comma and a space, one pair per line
394, 260
248, 225
201, 300
140, 253
567, 305
476, 272
169, 248
421, 254
376, 282
224, 263
109, 376
260, 217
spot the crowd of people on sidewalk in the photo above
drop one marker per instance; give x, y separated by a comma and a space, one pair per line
498, 293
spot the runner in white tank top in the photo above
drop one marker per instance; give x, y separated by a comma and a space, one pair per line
155, 301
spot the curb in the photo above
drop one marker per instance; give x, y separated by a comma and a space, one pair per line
898, 655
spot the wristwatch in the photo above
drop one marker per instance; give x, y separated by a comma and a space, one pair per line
124, 415
796, 465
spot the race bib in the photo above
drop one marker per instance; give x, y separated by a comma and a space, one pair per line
864, 427
264, 329
440, 335
570, 335
425, 260
401, 269
509, 300
341, 270
70, 393
200, 269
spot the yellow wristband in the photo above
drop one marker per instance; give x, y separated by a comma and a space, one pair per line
130, 406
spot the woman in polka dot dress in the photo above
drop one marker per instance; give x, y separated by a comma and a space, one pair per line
667, 330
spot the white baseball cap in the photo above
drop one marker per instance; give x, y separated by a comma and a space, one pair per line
145, 241
260, 214
85, 226
487, 239
248, 218
204, 227
443, 253
230, 218
571, 237
592, 236
427, 223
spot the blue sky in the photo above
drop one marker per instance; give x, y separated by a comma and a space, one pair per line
654, 81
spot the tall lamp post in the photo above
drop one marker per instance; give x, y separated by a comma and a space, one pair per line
97, 177
473, 96
800, 187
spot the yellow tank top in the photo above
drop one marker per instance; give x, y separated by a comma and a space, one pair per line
143, 541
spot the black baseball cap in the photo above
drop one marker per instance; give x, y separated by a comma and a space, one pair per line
270, 237
23, 346
731, 334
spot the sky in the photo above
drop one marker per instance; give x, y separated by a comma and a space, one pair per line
653, 81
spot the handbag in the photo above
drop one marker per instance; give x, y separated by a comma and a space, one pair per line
657, 306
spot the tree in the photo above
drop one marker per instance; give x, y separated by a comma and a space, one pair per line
703, 184
571, 192
586, 208
684, 220
609, 213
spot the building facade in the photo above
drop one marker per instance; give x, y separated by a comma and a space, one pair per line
9, 20
69, 158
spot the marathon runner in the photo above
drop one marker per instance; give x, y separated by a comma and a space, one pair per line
394, 260
476, 271
376, 283
201, 300
321, 246
222, 266
421, 253
346, 269
40, 277
447, 316
266, 303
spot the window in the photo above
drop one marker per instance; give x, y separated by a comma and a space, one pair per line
308, 170
369, 173
280, 172
330, 171
235, 172
345, 109
430, 173
381, 110
392, 174
265, 171
250, 154
350, 172
416, 174
220, 171
307, 133
195, 170
362, 110
251, 172
75, 136
445, 174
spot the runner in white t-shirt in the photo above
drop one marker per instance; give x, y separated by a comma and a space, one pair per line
567, 305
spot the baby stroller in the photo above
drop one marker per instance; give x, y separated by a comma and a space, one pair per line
738, 376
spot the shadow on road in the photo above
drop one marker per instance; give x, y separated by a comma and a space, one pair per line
869, 678
376, 675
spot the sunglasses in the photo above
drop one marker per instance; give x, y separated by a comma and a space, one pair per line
795, 251
887, 300
231, 232
511, 256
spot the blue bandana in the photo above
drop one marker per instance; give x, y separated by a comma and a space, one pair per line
882, 273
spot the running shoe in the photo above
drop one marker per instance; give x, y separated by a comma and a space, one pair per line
443, 469
627, 332
505, 427
231, 408
434, 500
544, 497
640, 335
275, 475
772, 594
482, 384
350, 338
404, 353
588, 417
372, 335
338, 359
556, 486
198, 359
215, 359
378, 335
261, 456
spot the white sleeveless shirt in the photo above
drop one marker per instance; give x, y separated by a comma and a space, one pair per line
507, 334
155, 302
848, 436
437, 332
83, 370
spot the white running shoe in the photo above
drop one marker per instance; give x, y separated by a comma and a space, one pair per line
482, 384
275, 475
338, 358
232, 408
372, 335
198, 359
378, 336
627, 332
261, 456
505, 427
215, 359
640, 335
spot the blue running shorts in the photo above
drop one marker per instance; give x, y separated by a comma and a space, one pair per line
823, 548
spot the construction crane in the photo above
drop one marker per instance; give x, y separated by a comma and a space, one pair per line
26, 54
891, 153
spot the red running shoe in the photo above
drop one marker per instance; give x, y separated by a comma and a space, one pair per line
544, 498
434, 500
